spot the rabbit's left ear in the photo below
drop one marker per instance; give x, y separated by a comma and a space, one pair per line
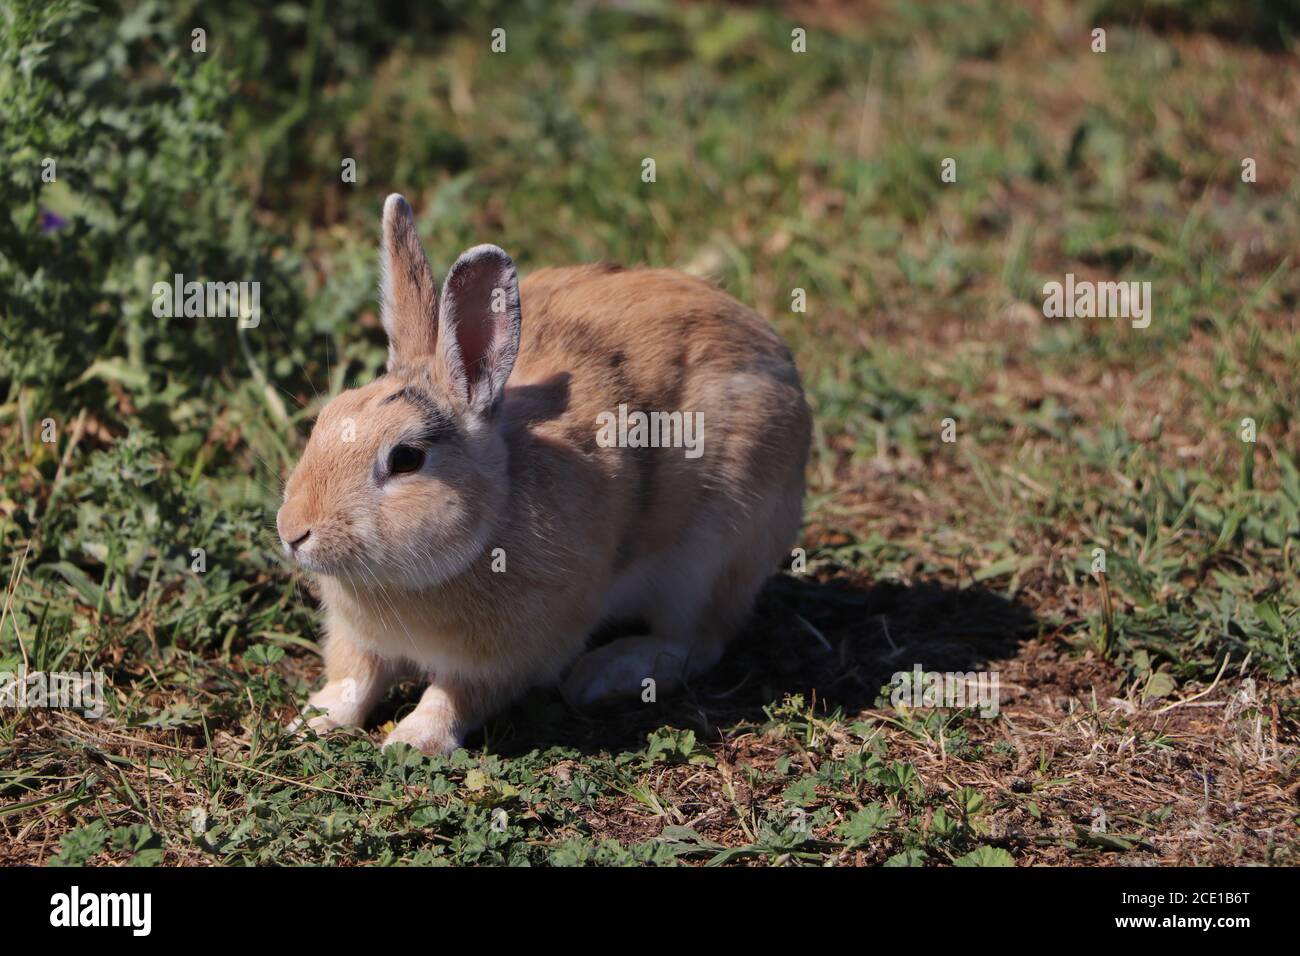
408, 297
478, 338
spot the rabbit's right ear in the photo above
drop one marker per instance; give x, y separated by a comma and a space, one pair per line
408, 297
480, 325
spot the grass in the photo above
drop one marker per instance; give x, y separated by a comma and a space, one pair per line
1148, 714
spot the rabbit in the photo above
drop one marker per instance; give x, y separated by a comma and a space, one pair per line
469, 524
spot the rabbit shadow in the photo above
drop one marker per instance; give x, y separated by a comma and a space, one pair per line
834, 641
539, 401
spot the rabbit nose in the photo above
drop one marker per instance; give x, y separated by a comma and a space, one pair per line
290, 535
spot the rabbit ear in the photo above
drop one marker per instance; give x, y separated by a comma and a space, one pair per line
408, 297
479, 335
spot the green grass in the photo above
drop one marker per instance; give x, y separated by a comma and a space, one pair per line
775, 171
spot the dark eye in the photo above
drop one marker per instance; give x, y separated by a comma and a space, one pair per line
405, 459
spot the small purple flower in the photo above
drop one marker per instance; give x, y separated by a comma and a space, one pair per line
51, 221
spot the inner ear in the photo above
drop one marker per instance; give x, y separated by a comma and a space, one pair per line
408, 296
479, 340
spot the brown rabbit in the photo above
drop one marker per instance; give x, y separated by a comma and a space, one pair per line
476, 512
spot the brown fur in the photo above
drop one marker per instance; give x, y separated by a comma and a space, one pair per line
580, 526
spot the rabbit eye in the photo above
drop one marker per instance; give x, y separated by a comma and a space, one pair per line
405, 459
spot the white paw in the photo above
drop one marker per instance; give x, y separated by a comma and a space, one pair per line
429, 732
340, 708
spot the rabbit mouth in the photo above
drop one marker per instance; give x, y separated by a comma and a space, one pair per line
303, 558
311, 556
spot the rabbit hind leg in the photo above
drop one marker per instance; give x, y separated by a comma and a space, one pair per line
693, 612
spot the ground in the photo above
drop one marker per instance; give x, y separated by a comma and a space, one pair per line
1148, 712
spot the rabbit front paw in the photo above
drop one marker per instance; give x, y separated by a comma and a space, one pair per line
425, 731
340, 705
